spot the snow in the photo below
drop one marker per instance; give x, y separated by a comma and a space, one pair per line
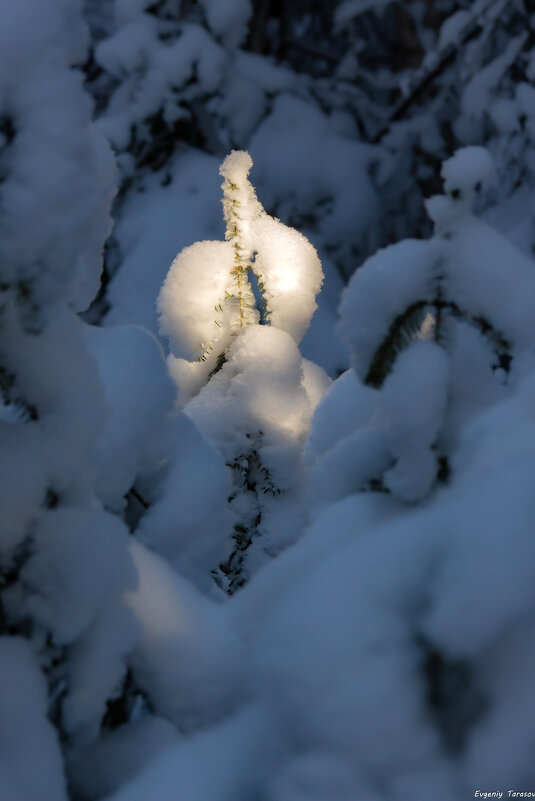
190, 299
127, 49
525, 96
264, 72
301, 162
412, 406
465, 256
503, 431
283, 260
186, 659
453, 28
429, 391
65, 562
308, 678
235, 169
45, 158
55, 373
139, 397
104, 766
258, 389
256, 411
96, 667
67, 581
207, 296
315, 381
367, 311
289, 267
189, 522
490, 539
154, 226
347, 404
477, 92
376, 530
347, 467
473, 386
153, 65
254, 396
508, 679
487, 275
168, 218
225, 762
30, 763
228, 20
467, 169
320, 344
316, 776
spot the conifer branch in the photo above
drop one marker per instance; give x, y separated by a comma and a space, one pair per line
407, 326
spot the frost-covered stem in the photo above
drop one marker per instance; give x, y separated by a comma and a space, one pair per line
233, 235
239, 205
239, 270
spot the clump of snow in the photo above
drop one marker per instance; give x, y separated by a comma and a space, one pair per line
30, 760
413, 404
191, 301
258, 389
348, 466
105, 765
468, 170
315, 381
235, 168
67, 579
347, 405
504, 431
70, 162
347, 444
452, 28
139, 397
486, 275
155, 64
127, 49
289, 267
225, 762
228, 20
97, 666
189, 522
490, 533
186, 659
56, 374
309, 678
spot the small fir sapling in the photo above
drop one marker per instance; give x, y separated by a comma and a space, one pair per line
434, 327
215, 276
250, 392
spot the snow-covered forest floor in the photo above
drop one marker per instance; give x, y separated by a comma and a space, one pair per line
267, 400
